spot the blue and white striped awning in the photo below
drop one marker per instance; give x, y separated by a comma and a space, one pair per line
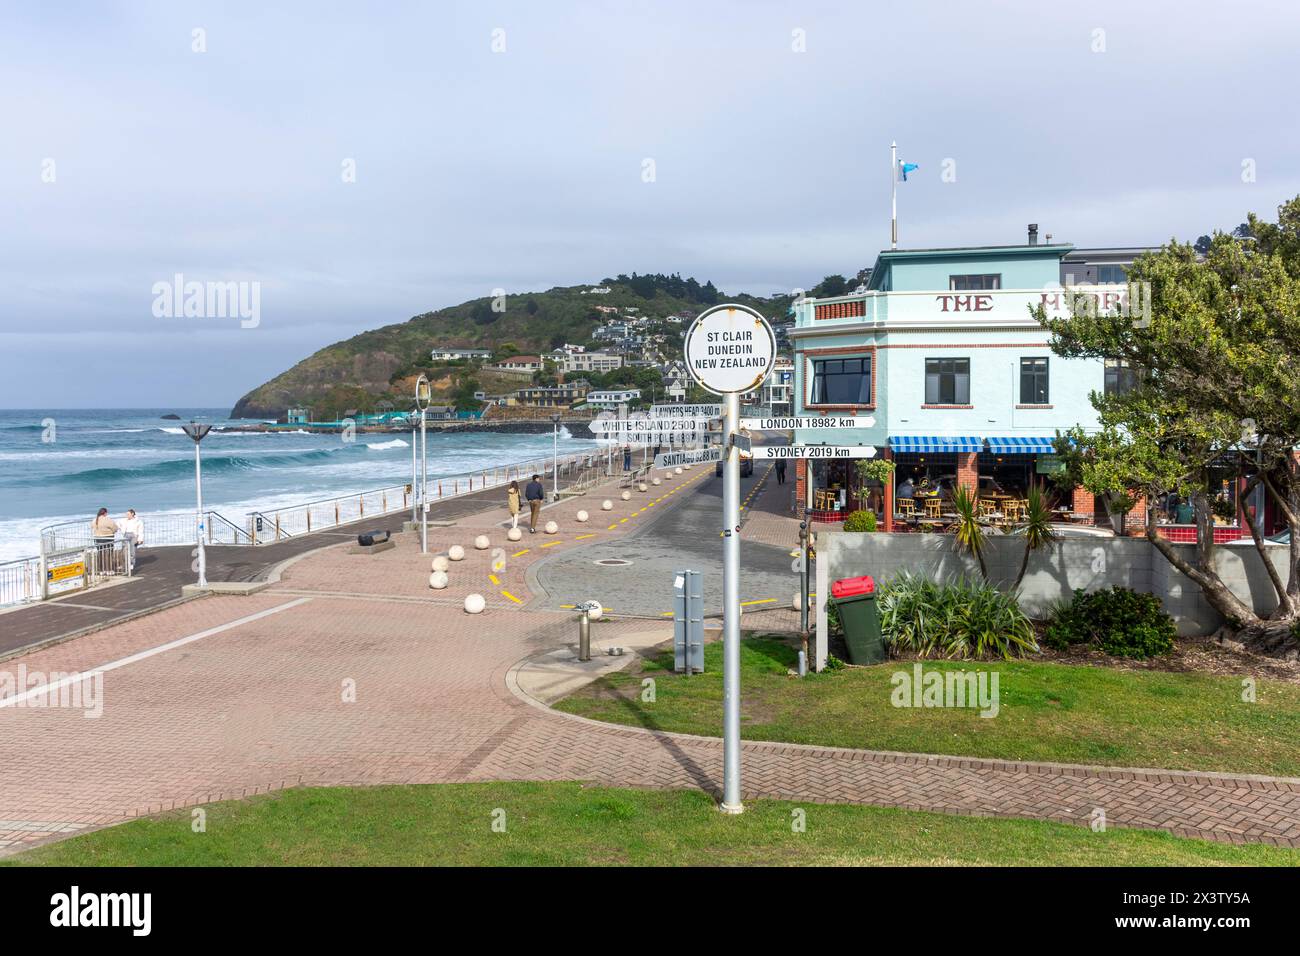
1020, 445
935, 444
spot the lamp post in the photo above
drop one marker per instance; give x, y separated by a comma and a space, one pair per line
555, 456
197, 433
423, 392
415, 481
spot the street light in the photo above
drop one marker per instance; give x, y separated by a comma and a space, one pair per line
555, 456
197, 433
423, 392
415, 474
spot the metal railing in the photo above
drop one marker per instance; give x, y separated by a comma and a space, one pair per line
58, 572
68, 543
20, 581
161, 529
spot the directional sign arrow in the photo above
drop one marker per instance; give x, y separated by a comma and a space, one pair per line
812, 422
769, 452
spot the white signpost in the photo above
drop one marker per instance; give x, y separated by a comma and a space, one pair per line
786, 423
729, 350
682, 410
700, 456
772, 452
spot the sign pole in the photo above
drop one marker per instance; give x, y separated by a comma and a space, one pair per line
202, 526
730, 350
731, 609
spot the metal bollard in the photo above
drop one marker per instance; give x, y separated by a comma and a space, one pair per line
584, 637
584, 629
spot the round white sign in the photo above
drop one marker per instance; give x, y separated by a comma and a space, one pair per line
730, 349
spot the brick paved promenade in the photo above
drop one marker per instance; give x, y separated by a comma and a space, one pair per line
350, 670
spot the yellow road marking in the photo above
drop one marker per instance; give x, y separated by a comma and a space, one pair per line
493, 579
581, 536
512, 597
552, 544
611, 527
518, 553
763, 601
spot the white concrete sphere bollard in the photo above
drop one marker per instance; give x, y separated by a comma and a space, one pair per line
551, 527
438, 580
677, 470
796, 600
456, 553
607, 505
474, 604
482, 543
641, 487
655, 480
514, 534
582, 516
440, 563
596, 612
626, 496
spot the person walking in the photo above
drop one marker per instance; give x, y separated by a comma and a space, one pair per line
780, 471
534, 495
512, 502
103, 529
133, 534
627, 457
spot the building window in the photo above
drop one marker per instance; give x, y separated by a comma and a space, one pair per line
1033, 381
842, 381
1121, 378
975, 282
1112, 275
947, 381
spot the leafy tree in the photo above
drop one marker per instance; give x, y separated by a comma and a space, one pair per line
1219, 354
831, 286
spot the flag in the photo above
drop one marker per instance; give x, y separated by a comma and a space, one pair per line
906, 168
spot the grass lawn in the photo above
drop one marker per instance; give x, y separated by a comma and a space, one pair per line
571, 825
1049, 712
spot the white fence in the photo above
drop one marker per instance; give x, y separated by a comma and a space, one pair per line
61, 571
71, 542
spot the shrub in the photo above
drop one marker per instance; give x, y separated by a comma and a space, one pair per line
1119, 621
962, 619
860, 521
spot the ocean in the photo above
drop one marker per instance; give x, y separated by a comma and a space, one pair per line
65, 464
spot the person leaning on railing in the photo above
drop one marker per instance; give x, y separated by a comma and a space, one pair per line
103, 529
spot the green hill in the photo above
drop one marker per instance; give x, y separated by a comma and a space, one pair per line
380, 365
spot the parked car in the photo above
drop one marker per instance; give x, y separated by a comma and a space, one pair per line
746, 466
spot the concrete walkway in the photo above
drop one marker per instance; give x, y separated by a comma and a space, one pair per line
351, 671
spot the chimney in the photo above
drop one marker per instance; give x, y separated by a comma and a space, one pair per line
1033, 233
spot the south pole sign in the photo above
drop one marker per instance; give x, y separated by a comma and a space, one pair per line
730, 350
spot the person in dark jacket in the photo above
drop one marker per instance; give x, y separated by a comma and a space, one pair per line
627, 457
780, 471
534, 495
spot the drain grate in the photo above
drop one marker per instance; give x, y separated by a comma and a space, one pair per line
612, 562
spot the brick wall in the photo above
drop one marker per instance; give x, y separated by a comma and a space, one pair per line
800, 484
1084, 502
968, 470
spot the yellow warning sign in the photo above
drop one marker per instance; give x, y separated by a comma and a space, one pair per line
65, 572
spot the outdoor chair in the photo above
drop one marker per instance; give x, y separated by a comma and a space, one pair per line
906, 507
933, 508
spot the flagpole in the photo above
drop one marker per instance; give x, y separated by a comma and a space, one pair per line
893, 195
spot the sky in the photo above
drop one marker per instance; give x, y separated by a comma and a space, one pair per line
356, 164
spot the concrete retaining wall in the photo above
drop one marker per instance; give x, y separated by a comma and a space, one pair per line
1054, 570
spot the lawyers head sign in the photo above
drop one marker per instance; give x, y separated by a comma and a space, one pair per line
730, 349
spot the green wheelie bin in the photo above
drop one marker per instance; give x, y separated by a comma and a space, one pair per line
855, 599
